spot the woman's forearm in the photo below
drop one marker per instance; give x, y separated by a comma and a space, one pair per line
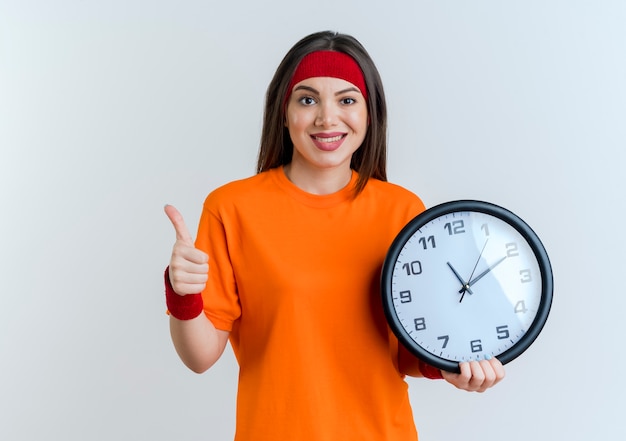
198, 343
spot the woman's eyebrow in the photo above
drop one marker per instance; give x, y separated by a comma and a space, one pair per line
349, 89
313, 90
310, 89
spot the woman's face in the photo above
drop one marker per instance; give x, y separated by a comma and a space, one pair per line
327, 122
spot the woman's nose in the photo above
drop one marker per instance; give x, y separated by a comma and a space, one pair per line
327, 115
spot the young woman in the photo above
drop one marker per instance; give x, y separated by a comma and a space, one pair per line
295, 254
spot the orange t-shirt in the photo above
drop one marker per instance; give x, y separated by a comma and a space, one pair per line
295, 278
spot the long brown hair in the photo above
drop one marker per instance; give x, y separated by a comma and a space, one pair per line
276, 149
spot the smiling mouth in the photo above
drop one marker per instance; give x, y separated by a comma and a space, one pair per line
328, 139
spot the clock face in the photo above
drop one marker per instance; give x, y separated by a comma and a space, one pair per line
466, 280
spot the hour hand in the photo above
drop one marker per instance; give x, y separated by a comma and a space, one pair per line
465, 287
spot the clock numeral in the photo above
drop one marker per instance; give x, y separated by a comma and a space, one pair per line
476, 346
485, 228
520, 307
455, 227
503, 332
526, 277
420, 324
426, 240
413, 268
405, 297
511, 250
445, 339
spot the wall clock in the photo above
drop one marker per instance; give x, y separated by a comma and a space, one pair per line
466, 280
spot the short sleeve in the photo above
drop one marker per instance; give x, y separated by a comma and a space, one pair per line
221, 300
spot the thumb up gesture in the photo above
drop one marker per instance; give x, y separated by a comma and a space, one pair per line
189, 266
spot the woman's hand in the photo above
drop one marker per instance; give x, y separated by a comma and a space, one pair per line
476, 376
189, 267
198, 343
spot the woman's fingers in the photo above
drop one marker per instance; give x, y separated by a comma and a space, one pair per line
188, 269
477, 376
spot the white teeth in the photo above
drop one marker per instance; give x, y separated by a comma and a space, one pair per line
333, 139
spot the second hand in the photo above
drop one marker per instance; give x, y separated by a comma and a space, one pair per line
465, 287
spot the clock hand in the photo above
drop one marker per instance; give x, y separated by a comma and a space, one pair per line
476, 265
464, 286
481, 275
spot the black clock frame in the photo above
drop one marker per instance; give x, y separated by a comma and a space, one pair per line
477, 206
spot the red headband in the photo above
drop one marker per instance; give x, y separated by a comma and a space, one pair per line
328, 64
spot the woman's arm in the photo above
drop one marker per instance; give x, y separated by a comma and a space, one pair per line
198, 343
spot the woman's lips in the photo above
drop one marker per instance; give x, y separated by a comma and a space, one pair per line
328, 141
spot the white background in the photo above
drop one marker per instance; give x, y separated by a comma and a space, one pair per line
109, 110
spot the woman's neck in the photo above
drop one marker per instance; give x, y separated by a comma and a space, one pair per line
318, 181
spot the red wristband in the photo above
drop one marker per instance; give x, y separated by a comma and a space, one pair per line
185, 307
429, 371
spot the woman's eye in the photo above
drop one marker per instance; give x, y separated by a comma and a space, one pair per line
348, 101
307, 101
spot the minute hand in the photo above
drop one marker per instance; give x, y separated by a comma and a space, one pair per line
484, 273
